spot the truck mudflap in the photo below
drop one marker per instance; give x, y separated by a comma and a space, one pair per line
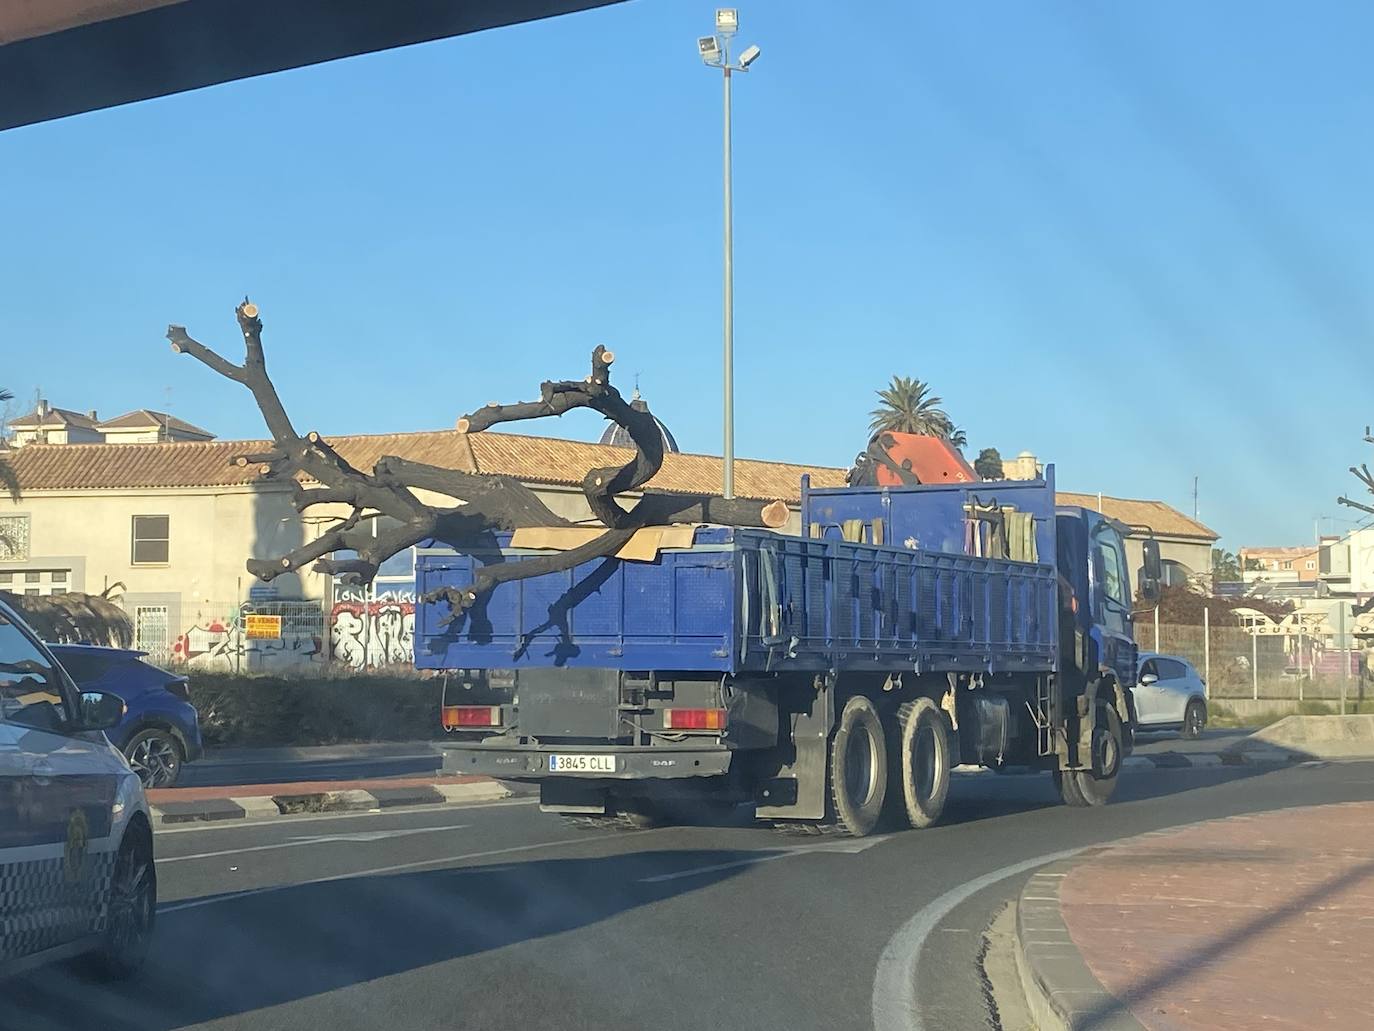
586, 762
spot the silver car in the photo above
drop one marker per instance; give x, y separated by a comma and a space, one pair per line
1170, 695
76, 845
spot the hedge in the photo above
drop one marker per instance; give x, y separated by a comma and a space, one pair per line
264, 711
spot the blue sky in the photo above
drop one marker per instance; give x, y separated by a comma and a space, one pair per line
1134, 241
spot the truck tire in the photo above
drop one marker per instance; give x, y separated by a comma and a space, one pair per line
857, 769
919, 757
1094, 787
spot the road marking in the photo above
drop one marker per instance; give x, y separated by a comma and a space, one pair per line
199, 827
895, 1003
848, 847
316, 839
395, 868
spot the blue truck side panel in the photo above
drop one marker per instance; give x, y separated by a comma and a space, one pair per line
929, 517
754, 601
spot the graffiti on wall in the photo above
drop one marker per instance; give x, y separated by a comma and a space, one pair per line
372, 628
218, 643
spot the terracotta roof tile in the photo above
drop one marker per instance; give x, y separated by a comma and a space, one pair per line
141, 418
533, 459
53, 417
1158, 516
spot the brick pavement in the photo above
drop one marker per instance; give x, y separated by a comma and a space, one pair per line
1257, 921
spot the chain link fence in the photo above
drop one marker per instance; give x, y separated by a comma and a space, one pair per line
1238, 664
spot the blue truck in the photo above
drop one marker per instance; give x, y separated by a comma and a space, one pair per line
832, 679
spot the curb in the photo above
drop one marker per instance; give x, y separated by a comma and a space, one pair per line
348, 800
1062, 993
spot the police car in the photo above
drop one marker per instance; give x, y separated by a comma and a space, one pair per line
76, 844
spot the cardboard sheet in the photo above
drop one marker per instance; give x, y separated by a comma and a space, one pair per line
644, 546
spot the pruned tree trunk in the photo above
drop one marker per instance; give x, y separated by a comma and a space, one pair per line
487, 503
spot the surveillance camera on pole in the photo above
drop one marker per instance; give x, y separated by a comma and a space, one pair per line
715, 51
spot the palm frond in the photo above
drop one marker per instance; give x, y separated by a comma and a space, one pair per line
9, 480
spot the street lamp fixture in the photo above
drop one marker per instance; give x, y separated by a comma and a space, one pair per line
715, 52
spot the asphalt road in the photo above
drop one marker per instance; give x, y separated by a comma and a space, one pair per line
499, 917
360, 762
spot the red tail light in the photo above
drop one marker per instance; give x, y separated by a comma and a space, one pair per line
455, 716
694, 719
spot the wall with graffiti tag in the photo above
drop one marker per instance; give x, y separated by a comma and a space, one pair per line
372, 627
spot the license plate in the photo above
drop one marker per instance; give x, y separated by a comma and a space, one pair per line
581, 763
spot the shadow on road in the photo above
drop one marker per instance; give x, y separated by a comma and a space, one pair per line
245, 953
988, 796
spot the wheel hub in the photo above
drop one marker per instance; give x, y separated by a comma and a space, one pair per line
1106, 753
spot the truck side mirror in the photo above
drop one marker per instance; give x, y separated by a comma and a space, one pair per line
1153, 571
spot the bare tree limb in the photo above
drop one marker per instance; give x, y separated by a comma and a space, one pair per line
486, 503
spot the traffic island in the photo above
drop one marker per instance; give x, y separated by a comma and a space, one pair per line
265, 801
1253, 921
1309, 737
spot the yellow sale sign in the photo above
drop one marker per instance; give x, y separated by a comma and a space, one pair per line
262, 628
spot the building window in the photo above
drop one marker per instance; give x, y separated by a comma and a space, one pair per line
14, 538
6, 578
1311, 564
32, 591
32, 576
59, 576
1288, 565
151, 541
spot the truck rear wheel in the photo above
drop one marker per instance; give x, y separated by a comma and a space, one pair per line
920, 763
1094, 786
858, 768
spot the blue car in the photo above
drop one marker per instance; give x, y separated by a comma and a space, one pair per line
160, 731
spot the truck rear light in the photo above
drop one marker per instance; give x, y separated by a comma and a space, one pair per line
694, 719
455, 716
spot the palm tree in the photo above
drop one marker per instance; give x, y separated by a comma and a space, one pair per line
8, 479
906, 405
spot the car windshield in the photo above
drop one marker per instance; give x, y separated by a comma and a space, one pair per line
654, 515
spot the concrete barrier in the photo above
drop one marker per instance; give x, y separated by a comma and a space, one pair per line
1316, 737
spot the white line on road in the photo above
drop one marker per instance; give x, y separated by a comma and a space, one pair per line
396, 868
316, 839
895, 1003
849, 847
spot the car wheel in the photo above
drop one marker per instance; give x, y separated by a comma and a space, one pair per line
132, 911
155, 756
1194, 719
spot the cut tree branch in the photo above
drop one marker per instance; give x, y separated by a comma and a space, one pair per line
486, 503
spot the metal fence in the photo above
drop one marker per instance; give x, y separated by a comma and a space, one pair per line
1239, 664
215, 638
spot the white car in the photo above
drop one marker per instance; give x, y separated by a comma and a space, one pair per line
1169, 695
76, 844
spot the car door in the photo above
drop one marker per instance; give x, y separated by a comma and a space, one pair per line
56, 805
1175, 687
1149, 703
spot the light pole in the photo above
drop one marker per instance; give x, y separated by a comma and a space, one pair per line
715, 51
